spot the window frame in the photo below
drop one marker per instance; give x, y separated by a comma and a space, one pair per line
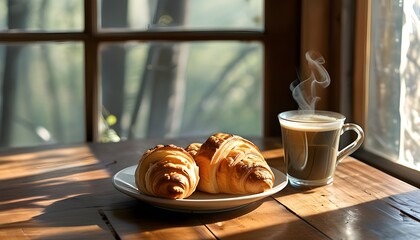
361, 91
278, 27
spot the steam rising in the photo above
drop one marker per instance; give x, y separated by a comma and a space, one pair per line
304, 92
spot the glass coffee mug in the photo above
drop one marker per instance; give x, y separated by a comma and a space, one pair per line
311, 141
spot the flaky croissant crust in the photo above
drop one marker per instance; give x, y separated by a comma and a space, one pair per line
167, 171
231, 164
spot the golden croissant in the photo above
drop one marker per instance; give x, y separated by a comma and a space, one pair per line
167, 171
231, 164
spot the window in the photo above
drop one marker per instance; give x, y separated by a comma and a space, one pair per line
75, 71
42, 82
392, 94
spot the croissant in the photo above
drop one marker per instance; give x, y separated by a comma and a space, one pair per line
231, 164
193, 149
168, 172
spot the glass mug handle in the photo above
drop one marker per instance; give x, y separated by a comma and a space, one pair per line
349, 149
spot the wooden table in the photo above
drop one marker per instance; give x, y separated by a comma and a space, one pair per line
66, 193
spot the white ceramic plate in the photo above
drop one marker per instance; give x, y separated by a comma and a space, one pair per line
198, 201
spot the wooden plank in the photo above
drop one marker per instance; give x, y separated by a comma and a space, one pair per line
12, 233
273, 153
265, 219
51, 223
370, 180
51, 194
354, 205
408, 203
138, 220
67, 232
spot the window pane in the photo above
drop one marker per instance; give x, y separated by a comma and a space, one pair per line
171, 15
394, 93
41, 15
171, 89
41, 94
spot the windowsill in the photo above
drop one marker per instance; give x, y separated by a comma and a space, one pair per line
402, 172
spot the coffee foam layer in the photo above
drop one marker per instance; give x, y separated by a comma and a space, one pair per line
312, 118
311, 122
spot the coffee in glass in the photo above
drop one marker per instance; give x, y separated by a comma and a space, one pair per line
310, 141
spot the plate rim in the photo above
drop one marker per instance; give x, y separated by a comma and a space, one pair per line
193, 204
